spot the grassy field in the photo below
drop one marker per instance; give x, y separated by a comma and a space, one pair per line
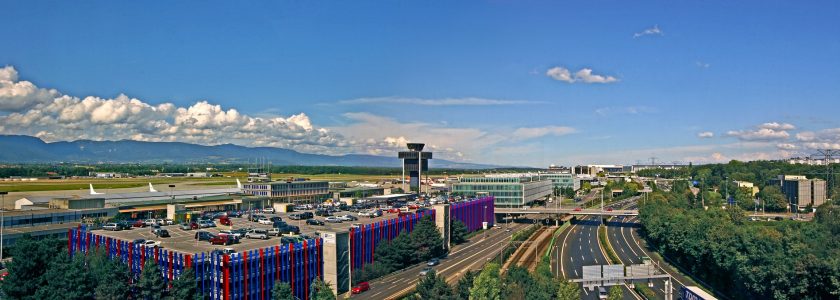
118, 183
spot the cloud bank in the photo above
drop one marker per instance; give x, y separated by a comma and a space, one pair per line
584, 75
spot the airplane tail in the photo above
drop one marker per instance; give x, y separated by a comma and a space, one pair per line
238, 184
151, 188
93, 192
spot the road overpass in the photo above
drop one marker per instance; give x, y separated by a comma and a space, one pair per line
568, 211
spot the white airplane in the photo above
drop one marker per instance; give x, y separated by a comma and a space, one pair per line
238, 184
151, 188
92, 192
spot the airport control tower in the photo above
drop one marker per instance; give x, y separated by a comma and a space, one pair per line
415, 162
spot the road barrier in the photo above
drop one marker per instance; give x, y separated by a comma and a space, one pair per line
365, 239
247, 275
473, 213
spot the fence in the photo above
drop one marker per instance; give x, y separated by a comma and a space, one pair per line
363, 240
473, 213
247, 275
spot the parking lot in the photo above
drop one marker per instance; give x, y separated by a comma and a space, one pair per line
184, 240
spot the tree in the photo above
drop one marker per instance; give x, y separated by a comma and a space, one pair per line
111, 277
282, 291
567, 290
426, 241
616, 293
464, 285
67, 278
458, 232
151, 285
773, 198
320, 290
433, 287
27, 275
185, 286
487, 285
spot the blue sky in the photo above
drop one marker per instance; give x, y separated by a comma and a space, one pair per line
502, 82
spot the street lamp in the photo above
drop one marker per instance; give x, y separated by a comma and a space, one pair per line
484, 221
2, 221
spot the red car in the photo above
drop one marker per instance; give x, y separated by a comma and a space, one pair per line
577, 208
3, 276
405, 213
139, 223
361, 287
609, 208
220, 240
224, 221
194, 225
413, 206
393, 210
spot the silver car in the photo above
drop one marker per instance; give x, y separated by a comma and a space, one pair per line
257, 234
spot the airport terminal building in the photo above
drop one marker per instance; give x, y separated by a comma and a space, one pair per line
509, 190
290, 191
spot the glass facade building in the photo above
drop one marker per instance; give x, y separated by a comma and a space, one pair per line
560, 180
509, 191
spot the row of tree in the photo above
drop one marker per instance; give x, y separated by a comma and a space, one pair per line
742, 259
422, 244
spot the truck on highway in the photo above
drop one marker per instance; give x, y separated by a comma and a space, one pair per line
694, 293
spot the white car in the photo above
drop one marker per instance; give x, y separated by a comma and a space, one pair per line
150, 222
152, 244
333, 219
265, 221
257, 234
111, 226
347, 218
228, 232
169, 222
269, 210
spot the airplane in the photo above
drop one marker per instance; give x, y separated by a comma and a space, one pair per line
152, 189
238, 184
92, 192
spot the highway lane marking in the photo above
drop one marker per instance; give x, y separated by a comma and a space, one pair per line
576, 273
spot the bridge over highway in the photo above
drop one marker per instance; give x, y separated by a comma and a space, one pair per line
569, 211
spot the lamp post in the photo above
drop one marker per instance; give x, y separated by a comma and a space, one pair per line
2, 221
484, 221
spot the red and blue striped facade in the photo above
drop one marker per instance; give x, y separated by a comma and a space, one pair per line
473, 213
247, 275
364, 239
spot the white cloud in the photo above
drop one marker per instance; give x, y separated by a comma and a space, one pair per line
786, 146
584, 75
777, 126
469, 101
706, 134
703, 65
764, 132
525, 133
649, 31
53, 116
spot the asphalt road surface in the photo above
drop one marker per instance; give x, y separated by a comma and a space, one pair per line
469, 256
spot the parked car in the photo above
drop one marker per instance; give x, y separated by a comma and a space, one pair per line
393, 210
274, 232
348, 218
404, 213
225, 221
314, 222
433, 262
333, 220
254, 217
231, 232
288, 228
139, 224
124, 225
269, 210
162, 233
150, 222
220, 240
168, 222
265, 221
257, 234
185, 226
361, 287
152, 243
203, 235
155, 228
139, 241
323, 213
112, 227
276, 219
224, 251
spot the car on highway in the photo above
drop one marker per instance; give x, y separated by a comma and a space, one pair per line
360, 288
152, 244
332, 220
314, 222
425, 271
161, 233
111, 227
257, 234
433, 262
609, 208
602, 293
220, 240
203, 235
265, 221
577, 208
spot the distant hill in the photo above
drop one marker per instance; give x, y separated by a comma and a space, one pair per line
28, 149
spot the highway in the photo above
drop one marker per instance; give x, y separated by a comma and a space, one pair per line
627, 249
580, 248
469, 256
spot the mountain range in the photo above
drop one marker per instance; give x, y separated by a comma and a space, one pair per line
28, 149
